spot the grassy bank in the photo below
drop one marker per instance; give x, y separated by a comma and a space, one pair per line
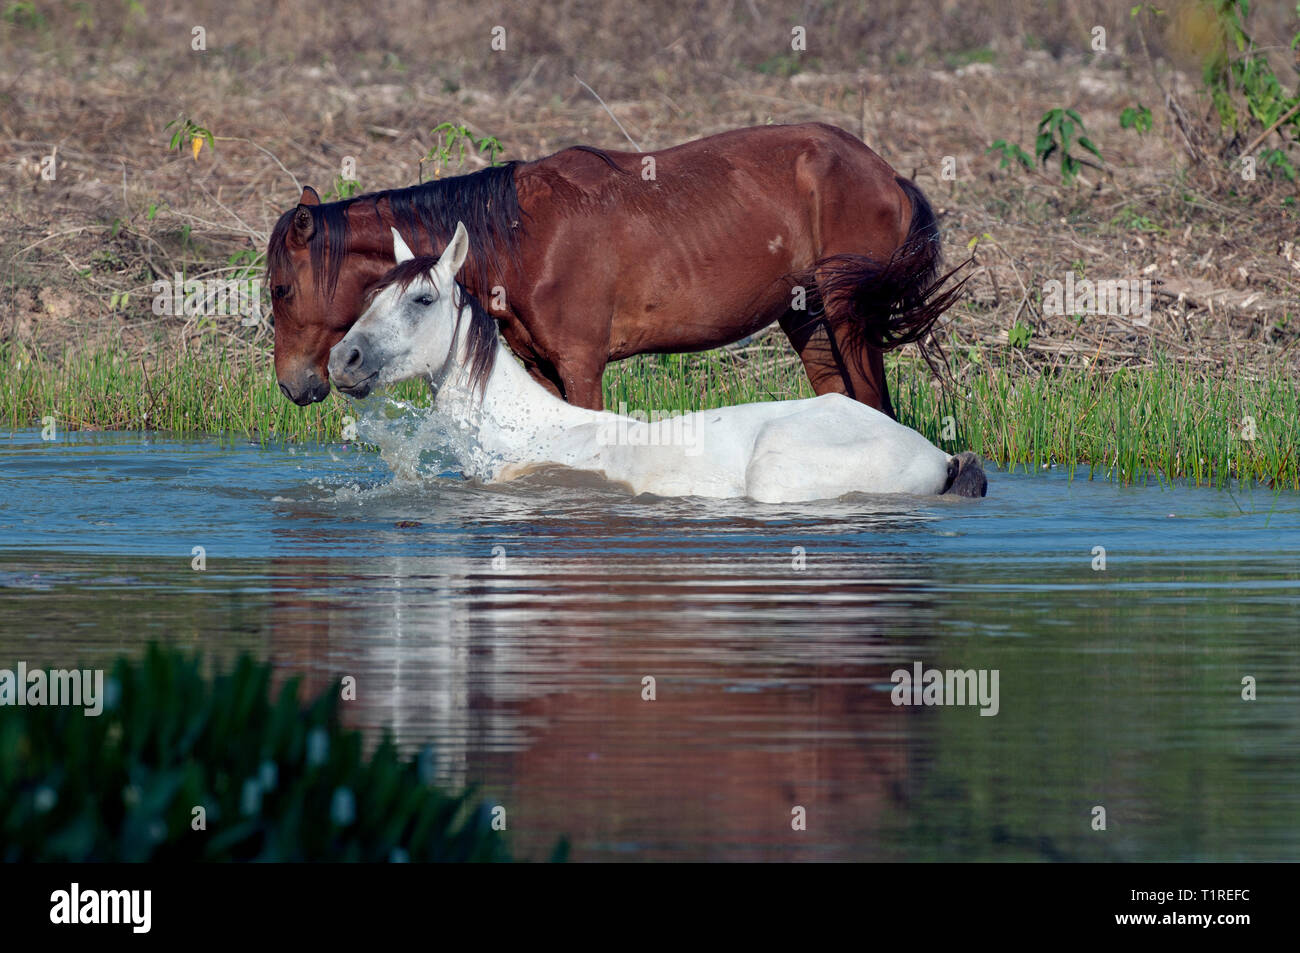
213, 391
1173, 419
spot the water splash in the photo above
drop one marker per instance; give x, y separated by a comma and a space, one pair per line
417, 443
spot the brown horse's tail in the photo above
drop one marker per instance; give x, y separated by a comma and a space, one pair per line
891, 303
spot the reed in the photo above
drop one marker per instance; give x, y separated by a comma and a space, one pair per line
214, 391
1172, 420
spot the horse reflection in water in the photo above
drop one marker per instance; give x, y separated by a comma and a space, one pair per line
770, 692
643, 698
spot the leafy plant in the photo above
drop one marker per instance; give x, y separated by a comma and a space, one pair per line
275, 781
1011, 152
1245, 90
452, 144
247, 263
1249, 74
1019, 334
24, 13
190, 132
1137, 118
1277, 159
342, 189
1058, 132
1131, 218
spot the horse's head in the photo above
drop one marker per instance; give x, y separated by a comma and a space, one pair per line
314, 299
409, 328
966, 476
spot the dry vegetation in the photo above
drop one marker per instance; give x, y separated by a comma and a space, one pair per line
289, 89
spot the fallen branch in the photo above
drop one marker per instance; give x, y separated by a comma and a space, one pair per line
1265, 134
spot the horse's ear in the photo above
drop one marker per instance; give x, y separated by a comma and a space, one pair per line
304, 224
457, 250
401, 251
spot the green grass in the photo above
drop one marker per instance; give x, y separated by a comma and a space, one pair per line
966, 57
700, 381
212, 391
1175, 420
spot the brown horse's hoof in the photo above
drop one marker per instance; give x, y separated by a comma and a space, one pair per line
966, 476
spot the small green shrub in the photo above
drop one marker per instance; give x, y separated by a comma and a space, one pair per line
1058, 132
342, 189
1137, 118
278, 782
190, 133
452, 143
1245, 90
1010, 152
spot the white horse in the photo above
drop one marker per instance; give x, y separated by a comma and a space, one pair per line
421, 323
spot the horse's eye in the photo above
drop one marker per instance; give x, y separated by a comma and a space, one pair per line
424, 300
280, 291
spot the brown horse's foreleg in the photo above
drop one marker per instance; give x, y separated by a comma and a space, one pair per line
545, 376
571, 385
836, 363
581, 382
568, 362
521, 344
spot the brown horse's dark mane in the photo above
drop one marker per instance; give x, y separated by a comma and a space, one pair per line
482, 339
486, 201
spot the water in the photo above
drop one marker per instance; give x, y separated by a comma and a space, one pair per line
513, 629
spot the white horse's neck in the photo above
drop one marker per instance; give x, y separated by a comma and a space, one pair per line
512, 413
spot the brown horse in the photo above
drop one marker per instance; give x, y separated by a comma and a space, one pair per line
589, 256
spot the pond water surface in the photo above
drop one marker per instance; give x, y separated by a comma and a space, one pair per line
514, 630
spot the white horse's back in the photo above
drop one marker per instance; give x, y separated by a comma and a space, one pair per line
780, 452
835, 445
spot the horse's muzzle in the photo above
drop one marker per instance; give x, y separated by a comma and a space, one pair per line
307, 391
348, 368
356, 388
